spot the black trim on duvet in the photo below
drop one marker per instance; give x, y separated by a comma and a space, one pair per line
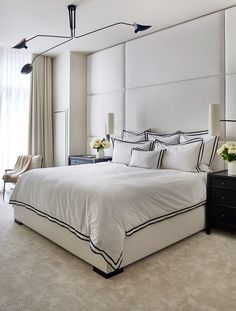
114, 264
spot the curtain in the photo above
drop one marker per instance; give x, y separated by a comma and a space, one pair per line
40, 120
14, 107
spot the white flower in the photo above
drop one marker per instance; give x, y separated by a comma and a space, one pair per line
108, 144
220, 150
104, 144
232, 149
99, 143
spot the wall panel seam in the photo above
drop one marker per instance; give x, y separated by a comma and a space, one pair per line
176, 81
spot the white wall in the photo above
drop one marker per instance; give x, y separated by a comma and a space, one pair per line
69, 106
78, 107
106, 91
168, 78
230, 62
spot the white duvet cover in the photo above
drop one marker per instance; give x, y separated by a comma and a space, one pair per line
102, 203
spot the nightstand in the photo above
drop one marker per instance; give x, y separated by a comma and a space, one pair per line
221, 201
86, 159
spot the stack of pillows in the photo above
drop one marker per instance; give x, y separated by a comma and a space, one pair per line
185, 151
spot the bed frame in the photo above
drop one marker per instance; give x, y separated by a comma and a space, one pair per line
141, 244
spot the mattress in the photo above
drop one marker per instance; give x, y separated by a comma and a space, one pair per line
105, 202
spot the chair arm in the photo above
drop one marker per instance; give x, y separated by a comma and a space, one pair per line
8, 169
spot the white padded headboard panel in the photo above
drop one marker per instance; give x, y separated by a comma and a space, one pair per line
170, 107
97, 108
191, 50
106, 71
230, 106
230, 109
230, 40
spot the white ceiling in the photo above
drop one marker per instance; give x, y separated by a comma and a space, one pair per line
26, 18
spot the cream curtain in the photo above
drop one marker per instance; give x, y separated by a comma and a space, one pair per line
40, 120
14, 107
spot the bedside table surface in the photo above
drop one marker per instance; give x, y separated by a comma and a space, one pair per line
87, 159
223, 173
88, 156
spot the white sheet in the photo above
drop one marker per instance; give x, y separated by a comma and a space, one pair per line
104, 202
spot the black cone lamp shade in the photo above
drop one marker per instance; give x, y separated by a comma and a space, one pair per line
138, 27
21, 45
27, 69
72, 23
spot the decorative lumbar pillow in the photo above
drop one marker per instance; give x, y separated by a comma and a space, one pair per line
146, 159
134, 137
210, 147
172, 138
184, 157
122, 149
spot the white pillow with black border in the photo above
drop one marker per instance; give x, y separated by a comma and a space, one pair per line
134, 137
185, 156
172, 138
146, 159
122, 150
210, 147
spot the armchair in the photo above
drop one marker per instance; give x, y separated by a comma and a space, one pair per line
23, 163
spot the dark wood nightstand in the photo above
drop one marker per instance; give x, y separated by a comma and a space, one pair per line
221, 201
86, 159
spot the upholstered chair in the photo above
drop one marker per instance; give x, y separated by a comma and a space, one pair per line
23, 163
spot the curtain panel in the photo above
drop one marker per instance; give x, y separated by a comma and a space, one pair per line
40, 120
14, 106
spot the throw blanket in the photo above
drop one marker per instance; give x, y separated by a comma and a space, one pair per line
102, 203
21, 166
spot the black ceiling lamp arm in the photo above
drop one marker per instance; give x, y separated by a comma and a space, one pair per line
71, 9
102, 28
72, 22
27, 68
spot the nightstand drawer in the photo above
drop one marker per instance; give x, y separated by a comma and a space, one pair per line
78, 161
224, 197
224, 215
224, 183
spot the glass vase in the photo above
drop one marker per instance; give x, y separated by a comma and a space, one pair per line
100, 153
232, 168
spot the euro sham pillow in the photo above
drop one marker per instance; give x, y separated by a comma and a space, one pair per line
122, 150
172, 138
146, 159
134, 137
210, 147
185, 156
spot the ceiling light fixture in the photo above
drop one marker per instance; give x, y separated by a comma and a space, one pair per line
72, 21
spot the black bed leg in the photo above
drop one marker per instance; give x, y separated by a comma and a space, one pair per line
18, 222
108, 275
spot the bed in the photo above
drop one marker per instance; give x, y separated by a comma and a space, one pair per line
110, 214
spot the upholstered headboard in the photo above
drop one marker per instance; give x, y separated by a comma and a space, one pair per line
166, 80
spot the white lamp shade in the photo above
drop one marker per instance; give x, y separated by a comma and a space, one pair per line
110, 123
214, 120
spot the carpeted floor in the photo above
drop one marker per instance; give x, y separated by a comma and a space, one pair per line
197, 274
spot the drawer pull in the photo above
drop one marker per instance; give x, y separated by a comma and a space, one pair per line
223, 183
222, 215
223, 197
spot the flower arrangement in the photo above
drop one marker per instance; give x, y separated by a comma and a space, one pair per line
99, 144
228, 152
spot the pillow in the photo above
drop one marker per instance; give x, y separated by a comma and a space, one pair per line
134, 137
172, 138
210, 147
184, 157
122, 149
146, 159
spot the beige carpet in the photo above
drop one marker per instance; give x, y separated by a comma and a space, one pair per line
197, 274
